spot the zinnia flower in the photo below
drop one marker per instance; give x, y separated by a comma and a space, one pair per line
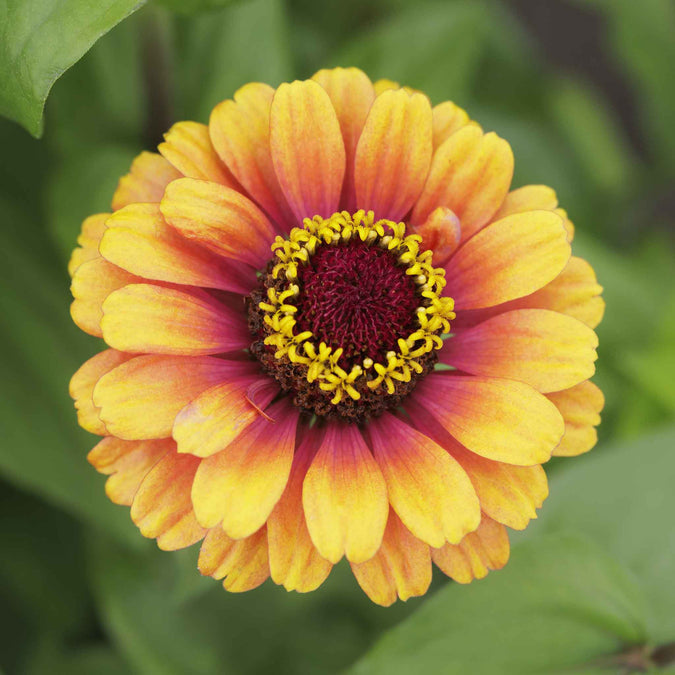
334, 332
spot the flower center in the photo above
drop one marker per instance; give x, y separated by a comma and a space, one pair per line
349, 315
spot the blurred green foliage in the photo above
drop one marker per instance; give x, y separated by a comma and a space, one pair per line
84, 593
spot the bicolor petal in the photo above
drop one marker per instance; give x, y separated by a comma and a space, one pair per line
295, 562
547, 350
239, 486
162, 508
138, 240
149, 318
187, 146
141, 398
308, 152
427, 488
504, 420
219, 218
127, 463
345, 497
509, 259
146, 181
393, 154
470, 174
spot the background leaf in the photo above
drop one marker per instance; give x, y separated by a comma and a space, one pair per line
560, 605
39, 39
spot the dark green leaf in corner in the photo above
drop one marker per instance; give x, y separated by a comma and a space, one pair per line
39, 40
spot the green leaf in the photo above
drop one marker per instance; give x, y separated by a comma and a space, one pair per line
561, 605
39, 40
623, 497
435, 47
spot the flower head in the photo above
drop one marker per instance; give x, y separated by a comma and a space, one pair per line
334, 332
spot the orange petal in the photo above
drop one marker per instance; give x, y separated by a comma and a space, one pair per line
575, 291
240, 132
90, 236
148, 318
427, 488
470, 174
504, 420
294, 561
508, 494
307, 149
401, 568
534, 198
352, 94
141, 398
82, 387
528, 198
441, 233
580, 407
220, 218
485, 549
240, 485
508, 259
187, 145
162, 508
139, 241
345, 497
128, 462
547, 350
146, 181
447, 118
393, 154
384, 84
92, 283
242, 562
210, 422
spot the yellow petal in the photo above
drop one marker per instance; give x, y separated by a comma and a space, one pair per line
485, 549
82, 387
400, 569
141, 398
138, 240
242, 562
580, 407
352, 94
